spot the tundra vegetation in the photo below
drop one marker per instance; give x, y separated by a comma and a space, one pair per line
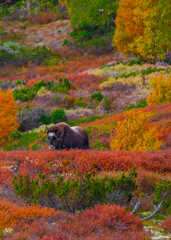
104, 66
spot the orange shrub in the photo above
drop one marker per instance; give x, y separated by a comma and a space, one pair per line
11, 214
135, 133
161, 86
8, 114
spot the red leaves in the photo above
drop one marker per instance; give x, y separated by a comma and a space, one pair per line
85, 80
113, 217
5, 175
86, 161
43, 18
105, 222
166, 225
102, 222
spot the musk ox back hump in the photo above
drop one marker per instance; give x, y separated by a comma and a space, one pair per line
76, 137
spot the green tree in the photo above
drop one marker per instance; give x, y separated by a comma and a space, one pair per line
89, 15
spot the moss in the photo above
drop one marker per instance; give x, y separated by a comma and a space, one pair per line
150, 223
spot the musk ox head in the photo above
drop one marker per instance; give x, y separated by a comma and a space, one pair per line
54, 136
61, 136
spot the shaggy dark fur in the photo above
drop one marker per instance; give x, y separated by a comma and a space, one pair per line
61, 136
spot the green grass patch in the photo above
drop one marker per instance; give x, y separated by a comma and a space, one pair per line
22, 141
84, 120
100, 145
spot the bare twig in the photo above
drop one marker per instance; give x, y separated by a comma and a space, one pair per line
156, 208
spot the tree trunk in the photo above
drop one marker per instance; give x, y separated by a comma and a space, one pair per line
28, 4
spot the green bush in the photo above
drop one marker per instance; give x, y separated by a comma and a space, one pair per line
16, 135
44, 119
42, 91
22, 141
141, 104
143, 72
13, 53
58, 115
95, 42
163, 193
107, 103
96, 96
80, 103
133, 62
62, 86
26, 94
65, 42
76, 193
81, 34
2, 31
13, 45
52, 60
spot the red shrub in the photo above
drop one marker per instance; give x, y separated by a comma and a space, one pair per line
85, 80
166, 225
86, 161
148, 180
105, 222
43, 18
102, 222
111, 119
112, 217
5, 175
33, 81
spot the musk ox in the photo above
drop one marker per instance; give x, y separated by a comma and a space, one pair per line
61, 136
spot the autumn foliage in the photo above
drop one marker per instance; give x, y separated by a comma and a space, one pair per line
8, 113
161, 86
11, 214
166, 225
32, 162
135, 133
142, 28
107, 222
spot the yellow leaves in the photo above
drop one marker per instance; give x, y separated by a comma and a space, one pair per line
161, 86
135, 133
63, 2
127, 27
142, 28
8, 113
66, 3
